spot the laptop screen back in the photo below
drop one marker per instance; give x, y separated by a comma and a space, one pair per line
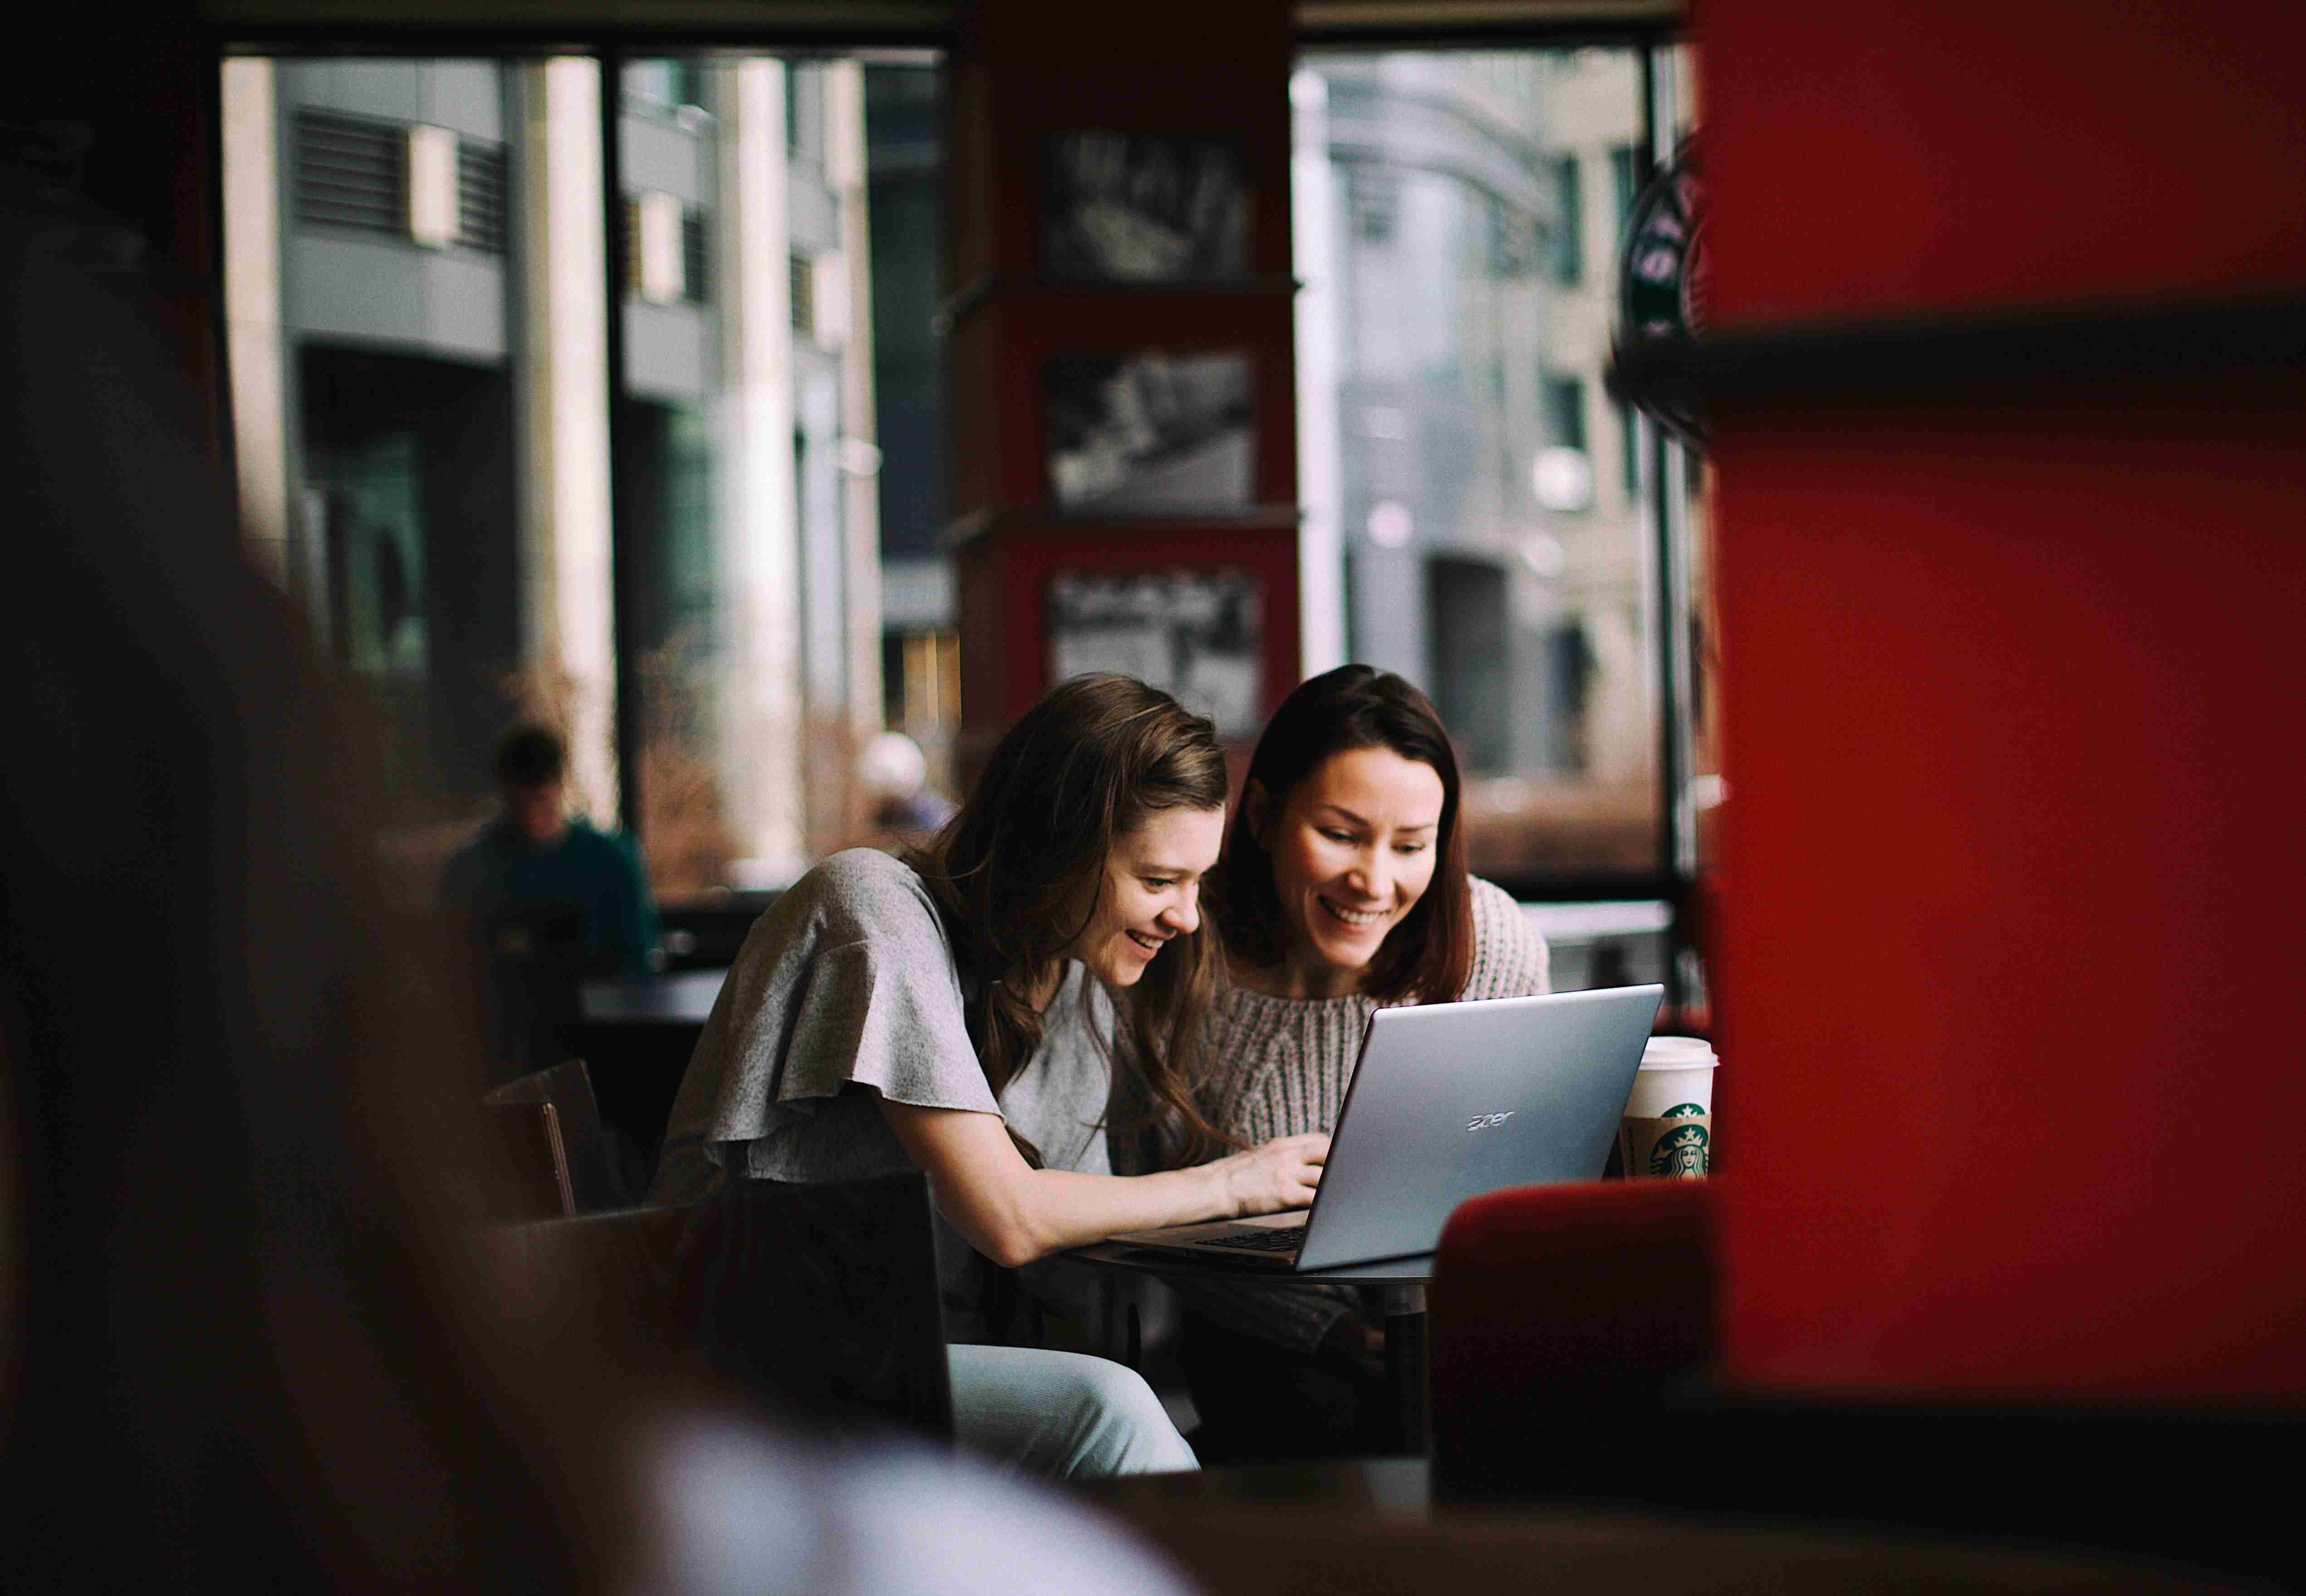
1451, 1100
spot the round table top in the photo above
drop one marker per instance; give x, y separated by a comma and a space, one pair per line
1414, 1270
685, 997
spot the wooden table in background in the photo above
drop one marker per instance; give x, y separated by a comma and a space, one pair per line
636, 1037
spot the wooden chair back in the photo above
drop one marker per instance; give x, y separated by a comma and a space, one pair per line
822, 1299
528, 1175
605, 1280
595, 1184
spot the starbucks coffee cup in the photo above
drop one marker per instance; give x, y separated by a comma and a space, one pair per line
1668, 1129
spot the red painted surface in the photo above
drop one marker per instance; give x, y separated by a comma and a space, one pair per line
1022, 69
1001, 350
1025, 68
1005, 576
2011, 936
1957, 152
2014, 686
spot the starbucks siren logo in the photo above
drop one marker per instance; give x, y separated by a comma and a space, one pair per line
1680, 1153
1665, 291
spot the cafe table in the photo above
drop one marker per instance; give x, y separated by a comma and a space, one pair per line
1399, 1285
636, 1036
1377, 1527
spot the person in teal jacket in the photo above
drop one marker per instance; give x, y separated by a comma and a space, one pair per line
550, 899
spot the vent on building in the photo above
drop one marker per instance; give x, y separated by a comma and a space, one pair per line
1374, 193
695, 259
480, 197
350, 173
695, 254
804, 297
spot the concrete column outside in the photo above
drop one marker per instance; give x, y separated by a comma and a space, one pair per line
1320, 533
759, 696
255, 349
567, 615
860, 456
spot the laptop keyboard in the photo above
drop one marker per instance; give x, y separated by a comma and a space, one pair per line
1260, 1240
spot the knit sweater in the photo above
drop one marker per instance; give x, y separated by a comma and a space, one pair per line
1283, 1066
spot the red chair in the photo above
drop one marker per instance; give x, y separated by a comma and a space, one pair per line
1561, 1318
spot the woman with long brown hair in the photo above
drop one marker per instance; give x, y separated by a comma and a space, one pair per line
971, 1011
1343, 888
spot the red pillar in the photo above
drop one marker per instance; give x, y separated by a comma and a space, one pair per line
2014, 698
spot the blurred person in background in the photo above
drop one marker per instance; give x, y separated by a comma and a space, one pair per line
546, 900
907, 811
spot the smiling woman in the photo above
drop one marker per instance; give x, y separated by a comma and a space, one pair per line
1150, 895
967, 1012
1343, 888
1352, 848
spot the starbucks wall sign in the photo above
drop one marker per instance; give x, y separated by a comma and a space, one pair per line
1665, 290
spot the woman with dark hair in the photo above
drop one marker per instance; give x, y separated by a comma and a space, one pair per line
1343, 888
970, 1012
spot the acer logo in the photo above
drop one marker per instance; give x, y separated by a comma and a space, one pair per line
1482, 1121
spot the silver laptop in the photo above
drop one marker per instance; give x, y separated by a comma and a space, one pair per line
1450, 1101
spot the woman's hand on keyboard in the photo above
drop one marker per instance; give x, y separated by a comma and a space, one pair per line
1280, 1174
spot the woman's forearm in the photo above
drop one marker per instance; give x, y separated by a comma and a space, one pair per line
1063, 1207
1014, 1213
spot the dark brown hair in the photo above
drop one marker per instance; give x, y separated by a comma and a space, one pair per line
1429, 954
1018, 871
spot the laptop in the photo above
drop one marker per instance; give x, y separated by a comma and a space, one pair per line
1449, 1101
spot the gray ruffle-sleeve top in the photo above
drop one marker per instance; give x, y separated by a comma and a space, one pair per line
848, 982
1281, 1068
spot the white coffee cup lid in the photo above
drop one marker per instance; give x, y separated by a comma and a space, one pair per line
1678, 1053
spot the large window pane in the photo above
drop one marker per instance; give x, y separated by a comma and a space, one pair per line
1489, 513
414, 275
419, 257
751, 416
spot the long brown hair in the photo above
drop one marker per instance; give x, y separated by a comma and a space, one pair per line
1430, 953
1018, 873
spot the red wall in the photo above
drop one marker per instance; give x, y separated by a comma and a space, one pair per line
2014, 693
1915, 153
1021, 71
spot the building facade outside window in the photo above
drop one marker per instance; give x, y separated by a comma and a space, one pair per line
434, 460
1489, 522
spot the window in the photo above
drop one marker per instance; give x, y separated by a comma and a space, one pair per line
1565, 411
1625, 184
1566, 248
1450, 456
1466, 604
490, 519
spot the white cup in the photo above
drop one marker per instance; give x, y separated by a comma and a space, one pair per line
1668, 1129
1676, 1074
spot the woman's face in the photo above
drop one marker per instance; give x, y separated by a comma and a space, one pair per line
1352, 850
1152, 891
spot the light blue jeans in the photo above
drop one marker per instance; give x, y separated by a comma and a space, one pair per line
1061, 1415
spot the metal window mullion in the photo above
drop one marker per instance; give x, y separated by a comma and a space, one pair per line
1668, 516
624, 555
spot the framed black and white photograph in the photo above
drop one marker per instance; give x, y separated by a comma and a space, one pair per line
1150, 433
1142, 208
1198, 634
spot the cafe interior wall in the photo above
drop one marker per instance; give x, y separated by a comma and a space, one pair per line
2018, 650
1022, 71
